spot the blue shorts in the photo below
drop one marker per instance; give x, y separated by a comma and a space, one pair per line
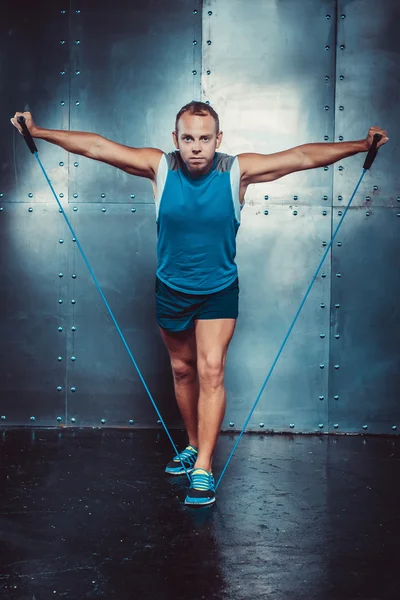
177, 311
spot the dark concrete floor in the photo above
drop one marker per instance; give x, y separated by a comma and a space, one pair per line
90, 514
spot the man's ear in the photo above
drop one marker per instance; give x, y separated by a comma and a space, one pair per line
175, 139
219, 138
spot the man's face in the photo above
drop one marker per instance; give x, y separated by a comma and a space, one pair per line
197, 142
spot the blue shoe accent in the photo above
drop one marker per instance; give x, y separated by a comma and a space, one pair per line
202, 488
188, 456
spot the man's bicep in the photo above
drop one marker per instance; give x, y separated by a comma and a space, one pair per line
142, 162
259, 168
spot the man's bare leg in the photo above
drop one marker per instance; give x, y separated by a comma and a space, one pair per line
212, 339
183, 355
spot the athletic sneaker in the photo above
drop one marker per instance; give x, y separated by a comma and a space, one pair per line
202, 488
188, 457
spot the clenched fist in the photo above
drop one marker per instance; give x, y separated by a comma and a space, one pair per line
32, 128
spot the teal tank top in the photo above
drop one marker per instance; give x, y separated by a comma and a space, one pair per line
197, 222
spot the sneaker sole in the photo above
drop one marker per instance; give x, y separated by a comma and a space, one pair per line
178, 472
194, 502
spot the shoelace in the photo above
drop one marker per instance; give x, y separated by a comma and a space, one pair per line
187, 455
202, 481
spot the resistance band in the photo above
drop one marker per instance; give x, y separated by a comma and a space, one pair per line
32, 147
367, 164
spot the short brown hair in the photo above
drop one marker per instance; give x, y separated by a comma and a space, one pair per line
197, 108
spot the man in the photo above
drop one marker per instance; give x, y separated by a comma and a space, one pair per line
198, 193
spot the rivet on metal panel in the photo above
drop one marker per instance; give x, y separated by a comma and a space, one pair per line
398, 214
60, 301
62, 42
209, 13
328, 16
77, 102
295, 212
61, 274
326, 168
59, 388
104, 209
194, 42
60, 328
342, 16
337, 305
265, 212
398, 199
394, 427
73, 328
323, 275
61, 195
77, 42
231, 424
266, 198
261, 425
368, 198
340, 168
73, 389
194, 72
33, 418
77, 72
30, 195
321, 425
195, 11
340, 197
322, 366
73, 420
322, 335
74, 239
75, 195
367, 213
340, 213
336, 397
59, 358
3, 417
322, 305
78, 12
339, 244
341, 77
326, 107
324, 212
63, 11
337, 367
336, 425
325, 198
62, 103
133, 209
132, 195
326, 138
365, 426
341, 107
73, 276
375, 188
291, 425
327, 77
324, 243
103, 195
208, 72
61, 241
327, 47
321, 397
341, 138
131, 421
342, 46
61, 164
338, 275
73, 301
73, 358
209, 42
59, 419
103, 421
76, 164
62, 72
30, 209
337, 336
295, 197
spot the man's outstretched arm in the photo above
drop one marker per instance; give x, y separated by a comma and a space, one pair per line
258, 168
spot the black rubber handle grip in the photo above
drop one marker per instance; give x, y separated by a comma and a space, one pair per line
27, 135
372, 151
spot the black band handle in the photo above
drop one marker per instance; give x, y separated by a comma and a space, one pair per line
372, 151
27, 135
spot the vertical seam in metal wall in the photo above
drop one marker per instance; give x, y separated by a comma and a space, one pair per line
330, 347
68, 248
200, 91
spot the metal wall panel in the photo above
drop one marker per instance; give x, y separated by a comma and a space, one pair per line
135, 65
365, 353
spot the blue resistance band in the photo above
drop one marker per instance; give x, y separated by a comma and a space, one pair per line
367, 164
32, 147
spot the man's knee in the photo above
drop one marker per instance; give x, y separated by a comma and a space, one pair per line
211, 370
184, 371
